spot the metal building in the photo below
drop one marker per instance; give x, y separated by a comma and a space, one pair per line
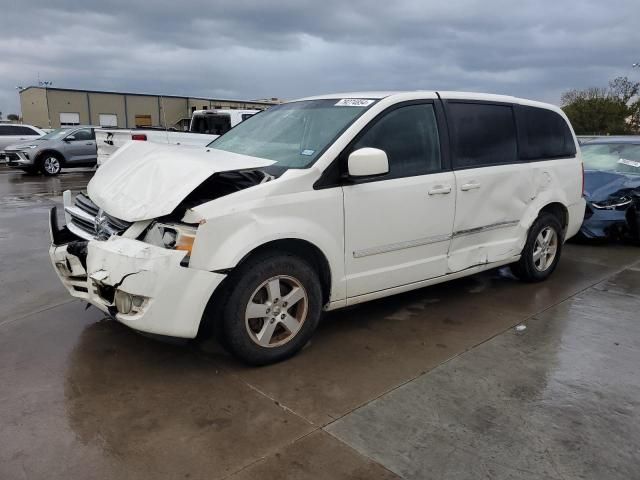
48, 107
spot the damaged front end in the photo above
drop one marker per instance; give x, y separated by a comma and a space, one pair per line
615, 217
144, 286
125, 247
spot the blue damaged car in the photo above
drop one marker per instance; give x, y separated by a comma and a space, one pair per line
611, 187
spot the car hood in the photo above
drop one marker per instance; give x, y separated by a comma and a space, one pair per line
601, 185
145, 180
22, 146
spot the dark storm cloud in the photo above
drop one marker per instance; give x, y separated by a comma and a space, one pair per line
291, 48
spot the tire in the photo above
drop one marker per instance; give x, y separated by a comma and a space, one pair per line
542, 250
267, 281
50, 164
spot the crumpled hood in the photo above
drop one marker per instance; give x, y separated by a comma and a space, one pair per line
601, 185
145, 180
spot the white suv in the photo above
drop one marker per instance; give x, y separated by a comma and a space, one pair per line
318, 204
11, 133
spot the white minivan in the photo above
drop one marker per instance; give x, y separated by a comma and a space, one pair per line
318, 204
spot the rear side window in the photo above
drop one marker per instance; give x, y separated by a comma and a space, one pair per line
543, 134
482, 134
409, 137
17, 130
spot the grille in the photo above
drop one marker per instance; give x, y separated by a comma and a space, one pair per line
11, 156
90, 223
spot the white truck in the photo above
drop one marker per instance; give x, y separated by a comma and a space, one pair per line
205, 126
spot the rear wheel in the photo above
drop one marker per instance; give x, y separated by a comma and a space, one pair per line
50, 164
273, 307
542, 250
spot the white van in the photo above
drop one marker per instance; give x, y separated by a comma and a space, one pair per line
318, 204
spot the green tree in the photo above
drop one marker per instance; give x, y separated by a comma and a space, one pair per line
604, 111
13, 117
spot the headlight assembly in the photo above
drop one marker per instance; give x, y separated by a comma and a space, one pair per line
173, 236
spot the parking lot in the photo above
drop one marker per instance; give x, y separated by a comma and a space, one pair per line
483, 377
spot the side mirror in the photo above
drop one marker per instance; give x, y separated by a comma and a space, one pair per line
366, 162
70, 138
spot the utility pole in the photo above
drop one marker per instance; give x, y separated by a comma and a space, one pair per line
46, 84
19, 88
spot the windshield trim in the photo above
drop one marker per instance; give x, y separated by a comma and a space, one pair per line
328, 145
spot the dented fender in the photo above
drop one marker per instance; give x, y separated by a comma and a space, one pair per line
226, 238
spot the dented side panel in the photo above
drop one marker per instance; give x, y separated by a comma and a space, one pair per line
492, 219
490, 202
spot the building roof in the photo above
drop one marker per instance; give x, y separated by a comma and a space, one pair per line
264, 102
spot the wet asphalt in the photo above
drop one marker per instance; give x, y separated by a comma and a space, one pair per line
483, 377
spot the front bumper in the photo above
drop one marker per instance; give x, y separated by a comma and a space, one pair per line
18, 158
174, 296
610, 224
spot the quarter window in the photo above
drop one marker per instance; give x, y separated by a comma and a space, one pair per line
482, 134
409, 137
544, 134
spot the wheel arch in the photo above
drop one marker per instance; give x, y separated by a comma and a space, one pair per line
50, 151
558, 210
210, 322
303, 249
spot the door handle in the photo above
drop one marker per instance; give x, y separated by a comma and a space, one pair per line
470, 186
440, 190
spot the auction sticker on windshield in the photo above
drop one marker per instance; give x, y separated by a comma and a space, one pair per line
354, 102
631, 163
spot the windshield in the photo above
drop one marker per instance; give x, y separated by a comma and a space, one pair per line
612, 157
293, 134
56, 134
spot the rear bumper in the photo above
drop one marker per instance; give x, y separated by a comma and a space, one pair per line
172, 297
576, 216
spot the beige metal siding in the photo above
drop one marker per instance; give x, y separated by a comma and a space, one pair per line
107, 103
67, 102
42, 107
33, 103
139, 105
174, 110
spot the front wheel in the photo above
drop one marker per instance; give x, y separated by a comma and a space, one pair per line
273, 307
51, 164
541, 253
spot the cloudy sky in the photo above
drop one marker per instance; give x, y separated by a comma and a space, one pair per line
292, 48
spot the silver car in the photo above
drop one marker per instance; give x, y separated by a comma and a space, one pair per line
65, 147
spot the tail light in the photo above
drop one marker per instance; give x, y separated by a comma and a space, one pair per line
138, 136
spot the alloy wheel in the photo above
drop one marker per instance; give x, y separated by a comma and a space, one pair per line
51, 165
545, 249
276, 311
